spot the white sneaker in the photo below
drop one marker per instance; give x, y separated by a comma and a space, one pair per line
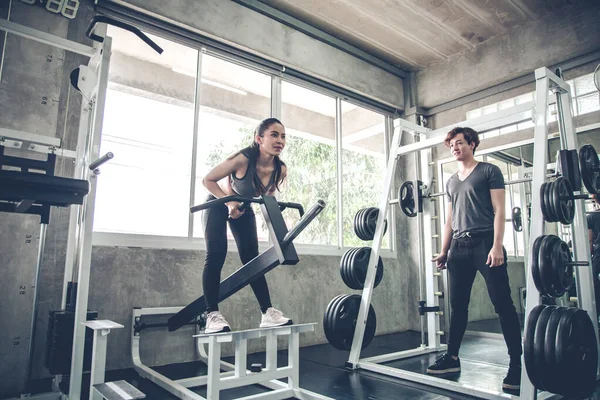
274, 317
216, 323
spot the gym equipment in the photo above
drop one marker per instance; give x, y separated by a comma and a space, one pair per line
221, 375
560, 351
365, 221
281, 252
590, 168
517, 219
353, 267
339, 321
407, 202
552, 265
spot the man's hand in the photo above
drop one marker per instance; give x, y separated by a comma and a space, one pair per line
495, 257
234, 212
440, 260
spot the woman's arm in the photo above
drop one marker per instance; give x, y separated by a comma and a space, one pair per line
224, 169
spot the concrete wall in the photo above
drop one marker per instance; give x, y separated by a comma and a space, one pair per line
555, 38
237, 25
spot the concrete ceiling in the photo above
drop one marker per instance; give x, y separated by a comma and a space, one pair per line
414, 34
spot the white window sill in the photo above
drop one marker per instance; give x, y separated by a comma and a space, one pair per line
184, 243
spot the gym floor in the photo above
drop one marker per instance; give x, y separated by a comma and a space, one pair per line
484, 364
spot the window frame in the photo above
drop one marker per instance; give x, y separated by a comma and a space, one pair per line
277, 78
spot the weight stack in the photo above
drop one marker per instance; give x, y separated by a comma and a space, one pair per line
59, 342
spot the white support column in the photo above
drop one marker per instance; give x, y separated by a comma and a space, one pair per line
294, 360
540, 162
214, 362
431, 281
101, 330
88, 148
241, 351
271, 351
579, 229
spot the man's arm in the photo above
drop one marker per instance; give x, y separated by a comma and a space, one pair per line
446, 239
496, 255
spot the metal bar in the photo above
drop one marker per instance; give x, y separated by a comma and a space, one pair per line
361, 320
36, 283
303, 223
196, 128
98, 363
91, 148
46, 38
540, 165
492, 121
593, 56
30, 137
339, 143
318, 34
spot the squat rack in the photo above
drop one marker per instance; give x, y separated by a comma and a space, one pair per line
536, 112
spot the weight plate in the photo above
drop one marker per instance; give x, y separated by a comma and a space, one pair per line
590, 168
517, 219
343, 318
535, 265
538, 345
406, 199
552, 373
359, 267
543, 204
528, 345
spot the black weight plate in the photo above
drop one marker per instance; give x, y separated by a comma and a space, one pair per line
358, 223
355, 284
360, 265
362, 224
585, 355
538, 345
358, 229
371, 222
564, 207
590, 168
576, 353
535, 265
343, 266
344, 322
552, 373
528, 345
563, 267
543, 204
406, 199
517, 219
549, 204
547, 272
328, 320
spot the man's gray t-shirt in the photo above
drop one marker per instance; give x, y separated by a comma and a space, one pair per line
472, 209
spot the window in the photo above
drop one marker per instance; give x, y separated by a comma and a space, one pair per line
233, 100
363, 165
159, 106
585, 99
148, 125
311, 157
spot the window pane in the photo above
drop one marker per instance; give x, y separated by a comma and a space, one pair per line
490, 109
363, 165
524, 98
233, 100
311, 158
588, 103
148, 125
584, 85
474, 114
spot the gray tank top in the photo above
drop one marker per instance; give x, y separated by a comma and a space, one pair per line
245, 186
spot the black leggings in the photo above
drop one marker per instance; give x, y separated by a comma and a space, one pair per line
466, 257
214, 221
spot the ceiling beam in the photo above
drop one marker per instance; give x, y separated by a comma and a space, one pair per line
323, 36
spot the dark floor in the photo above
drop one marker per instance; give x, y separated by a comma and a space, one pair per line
322, 371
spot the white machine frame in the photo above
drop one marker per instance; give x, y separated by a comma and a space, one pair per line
545, 80
237, 374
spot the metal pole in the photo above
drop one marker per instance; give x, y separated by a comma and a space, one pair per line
420, 239
195, 142
36, 285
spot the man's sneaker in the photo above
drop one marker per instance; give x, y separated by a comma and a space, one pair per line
444, 364
216, 323
513, 379
274, 317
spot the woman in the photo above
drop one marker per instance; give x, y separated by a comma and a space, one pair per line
251, 172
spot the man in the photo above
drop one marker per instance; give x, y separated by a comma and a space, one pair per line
593, 223
472, 242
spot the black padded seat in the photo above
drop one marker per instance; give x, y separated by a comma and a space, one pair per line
16, 186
